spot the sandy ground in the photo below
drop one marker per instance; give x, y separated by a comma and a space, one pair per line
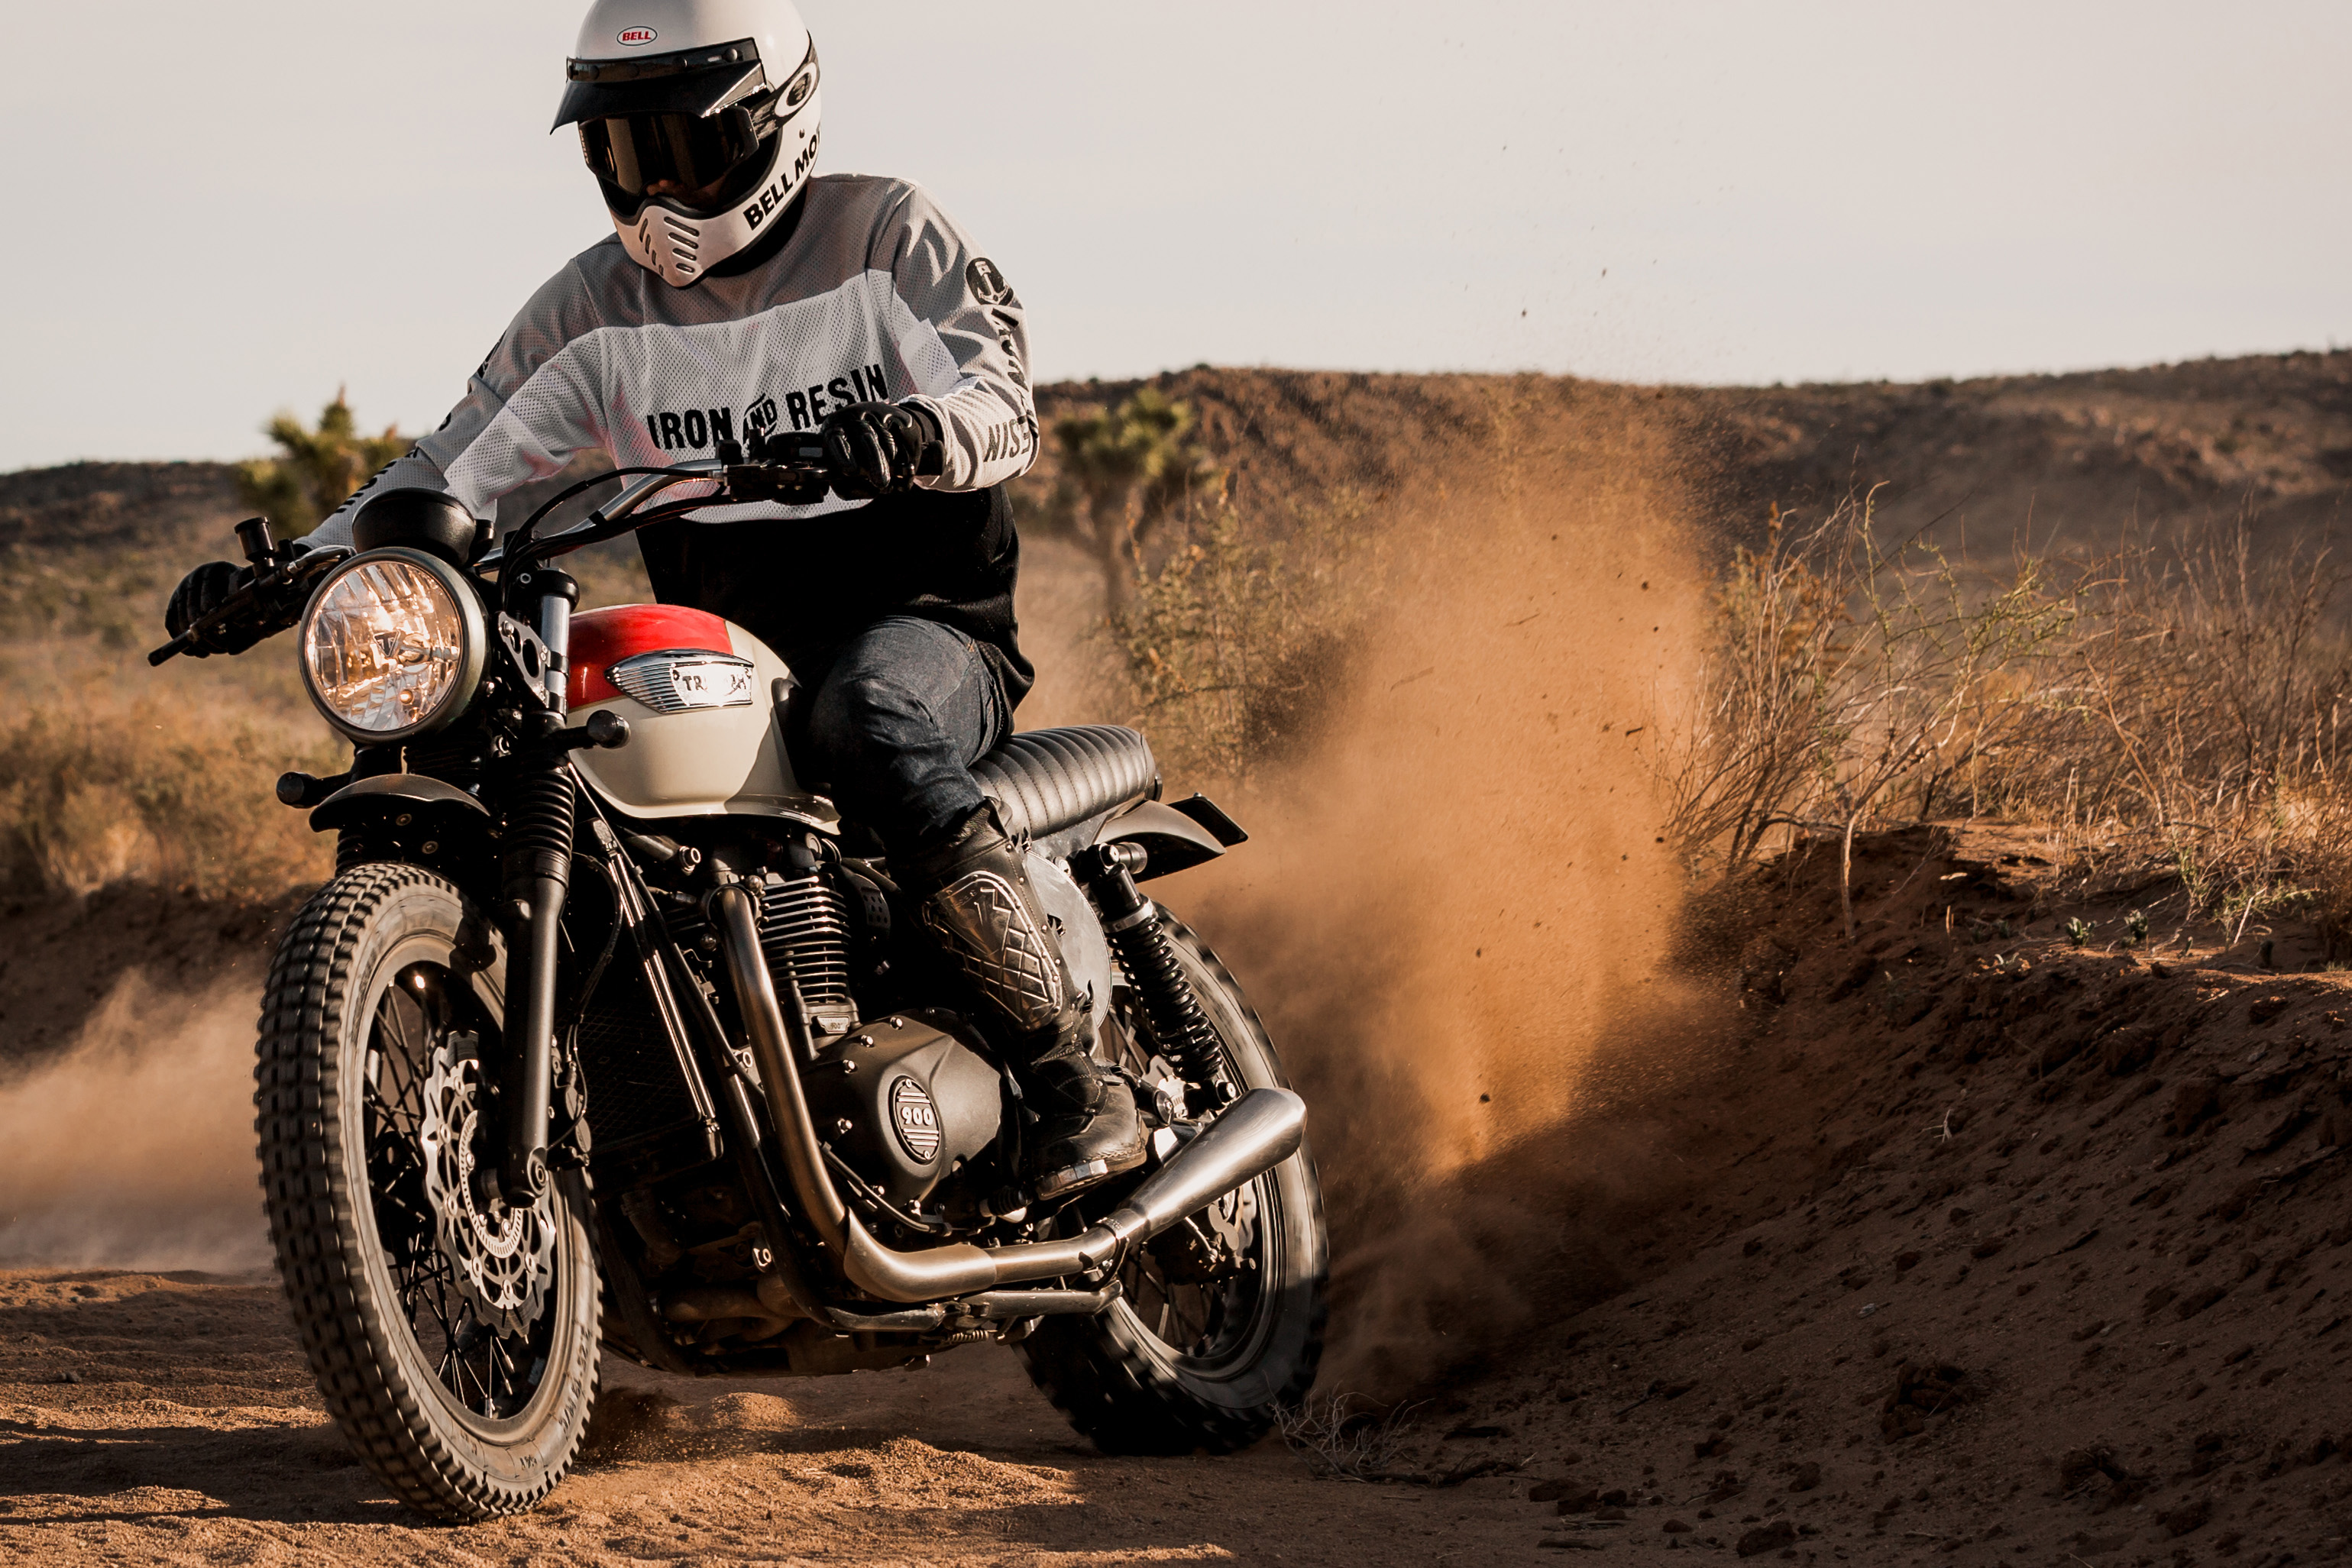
169, 1418
1984, 1248
1999, 1250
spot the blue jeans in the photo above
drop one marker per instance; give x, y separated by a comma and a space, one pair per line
901, 712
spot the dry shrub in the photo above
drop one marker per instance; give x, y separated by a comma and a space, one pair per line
1346, 1436
2205, 728
1848, 672
2179, 705
1231, 644
154, 793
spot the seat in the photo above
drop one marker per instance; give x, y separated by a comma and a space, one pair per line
1044, 781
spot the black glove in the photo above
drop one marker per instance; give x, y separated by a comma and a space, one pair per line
208, 588
200, 593
877, 448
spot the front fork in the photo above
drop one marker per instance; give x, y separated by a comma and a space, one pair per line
535, 876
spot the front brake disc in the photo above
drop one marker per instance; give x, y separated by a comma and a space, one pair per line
502, 1261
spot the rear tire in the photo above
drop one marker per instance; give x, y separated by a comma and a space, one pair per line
1244, 1349
458, 1351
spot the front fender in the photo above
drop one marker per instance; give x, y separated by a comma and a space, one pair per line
394, 795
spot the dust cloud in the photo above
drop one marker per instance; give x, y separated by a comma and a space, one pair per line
1455, 910
134, 1147
1454, 914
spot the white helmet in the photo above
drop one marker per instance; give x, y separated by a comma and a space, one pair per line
699, 119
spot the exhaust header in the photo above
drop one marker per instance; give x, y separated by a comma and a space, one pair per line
1253, 1135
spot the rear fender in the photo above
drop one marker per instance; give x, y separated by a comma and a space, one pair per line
1173, 838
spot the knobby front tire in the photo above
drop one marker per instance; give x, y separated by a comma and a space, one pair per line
381, 997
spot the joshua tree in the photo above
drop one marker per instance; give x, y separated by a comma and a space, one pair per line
1124, 470
318, 470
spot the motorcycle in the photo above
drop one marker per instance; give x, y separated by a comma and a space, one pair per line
610, 1032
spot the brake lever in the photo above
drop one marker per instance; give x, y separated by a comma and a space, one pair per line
780, 465
792, 484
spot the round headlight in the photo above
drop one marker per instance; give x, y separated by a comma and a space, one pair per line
393, 645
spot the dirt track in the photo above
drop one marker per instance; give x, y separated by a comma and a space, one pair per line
190, 1434
2040, 1261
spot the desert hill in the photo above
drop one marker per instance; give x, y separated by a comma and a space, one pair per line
2081, 455
2090, 451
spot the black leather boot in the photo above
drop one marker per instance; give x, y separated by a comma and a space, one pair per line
976, 903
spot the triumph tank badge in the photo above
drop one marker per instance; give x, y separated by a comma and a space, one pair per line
915, 1121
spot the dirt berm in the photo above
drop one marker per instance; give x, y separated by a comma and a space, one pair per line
1990, 1248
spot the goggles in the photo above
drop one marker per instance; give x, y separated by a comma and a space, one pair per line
685, 128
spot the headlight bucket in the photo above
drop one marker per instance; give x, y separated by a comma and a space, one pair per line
393, 645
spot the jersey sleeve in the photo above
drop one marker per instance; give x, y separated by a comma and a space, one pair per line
533, 403
966, 317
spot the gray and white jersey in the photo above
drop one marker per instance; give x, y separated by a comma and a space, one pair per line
877, 295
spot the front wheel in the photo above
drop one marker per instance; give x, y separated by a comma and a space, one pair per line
453, 1339
1219, 1326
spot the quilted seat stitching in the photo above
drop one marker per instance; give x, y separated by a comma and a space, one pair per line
1050, 779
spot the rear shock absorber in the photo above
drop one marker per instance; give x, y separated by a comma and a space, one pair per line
1179, 1028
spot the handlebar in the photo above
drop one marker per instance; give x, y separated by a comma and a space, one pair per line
787, 466
784, 466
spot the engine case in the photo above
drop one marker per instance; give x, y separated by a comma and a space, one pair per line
906, 1103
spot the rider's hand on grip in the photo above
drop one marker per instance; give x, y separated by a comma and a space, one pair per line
880, 448
224, 607
200, 593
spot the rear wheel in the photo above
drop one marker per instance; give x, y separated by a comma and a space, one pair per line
1219, 1327
454, 1340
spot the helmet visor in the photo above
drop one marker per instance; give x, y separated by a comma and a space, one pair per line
702, 164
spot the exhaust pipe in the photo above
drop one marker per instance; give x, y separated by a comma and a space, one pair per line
1254, 1135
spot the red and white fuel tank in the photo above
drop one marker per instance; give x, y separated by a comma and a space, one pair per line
702, 698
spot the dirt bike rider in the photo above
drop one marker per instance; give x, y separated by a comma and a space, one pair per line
740, 295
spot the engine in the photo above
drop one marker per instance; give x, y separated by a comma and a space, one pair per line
901, 1100
804, 923
905, 1104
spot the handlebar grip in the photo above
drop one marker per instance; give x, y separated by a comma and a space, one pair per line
172, 649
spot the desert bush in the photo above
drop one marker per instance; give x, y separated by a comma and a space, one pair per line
1121, 473
1232, 644
1346, 1436
152, 793
2178, 703
1849, 671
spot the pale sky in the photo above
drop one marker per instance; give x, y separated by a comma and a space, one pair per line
229, 208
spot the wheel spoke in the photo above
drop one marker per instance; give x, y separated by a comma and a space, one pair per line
483, 1368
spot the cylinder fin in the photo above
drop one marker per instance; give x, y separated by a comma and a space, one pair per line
804, 921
